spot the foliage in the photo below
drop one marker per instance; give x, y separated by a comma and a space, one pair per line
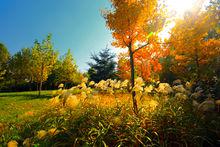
4, 57
147, 61
20, 66
67, 71
4, 54
44, 57
103, 67
193, 53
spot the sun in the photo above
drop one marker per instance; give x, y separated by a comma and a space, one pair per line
180, 6
176, 9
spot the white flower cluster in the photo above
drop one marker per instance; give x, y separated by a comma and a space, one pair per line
111, 85
138, 86
164, 88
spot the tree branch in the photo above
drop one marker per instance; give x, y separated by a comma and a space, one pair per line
140, 47
164, 42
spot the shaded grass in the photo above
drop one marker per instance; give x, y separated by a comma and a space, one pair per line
14, 106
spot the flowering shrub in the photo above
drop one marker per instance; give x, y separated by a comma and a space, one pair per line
101, 114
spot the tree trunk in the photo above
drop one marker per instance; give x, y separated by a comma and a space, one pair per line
40, 87
41, 78
135, 107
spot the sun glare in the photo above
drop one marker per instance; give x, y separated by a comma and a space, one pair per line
180, 6
177, 8
165, 33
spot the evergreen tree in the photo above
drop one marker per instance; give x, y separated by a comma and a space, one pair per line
103, 66
67, 72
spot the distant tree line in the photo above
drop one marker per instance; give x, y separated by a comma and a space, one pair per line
37, 67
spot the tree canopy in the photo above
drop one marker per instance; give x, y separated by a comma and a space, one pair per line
44, 57
4, 57
194, 52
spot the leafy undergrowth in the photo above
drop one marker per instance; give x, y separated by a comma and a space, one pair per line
96, 117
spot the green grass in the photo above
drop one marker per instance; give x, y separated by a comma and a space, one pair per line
14, 106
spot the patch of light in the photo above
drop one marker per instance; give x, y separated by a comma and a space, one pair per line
180, 6
165, 33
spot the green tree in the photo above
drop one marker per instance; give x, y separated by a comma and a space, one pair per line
44, 58
20, 66
4, 57
67, 71
103, 66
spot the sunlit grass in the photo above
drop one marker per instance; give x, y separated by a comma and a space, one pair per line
15, 106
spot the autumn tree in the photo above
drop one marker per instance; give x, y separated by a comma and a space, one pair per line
4, 57
131, 23
103, 66
44, 57
194, 53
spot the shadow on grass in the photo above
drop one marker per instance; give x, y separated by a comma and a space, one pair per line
26, 95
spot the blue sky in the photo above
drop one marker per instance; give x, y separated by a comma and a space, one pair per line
74, 24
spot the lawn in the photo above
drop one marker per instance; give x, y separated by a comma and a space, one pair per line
15, 106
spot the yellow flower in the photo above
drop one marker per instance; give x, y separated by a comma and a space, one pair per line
148, 89
88, 90
84, 80
53, 131
27, 142
61, 85
153, 104
188, 85
54, 101
41, 134
179, 88
139, 81
124, 84
83, 95
12, 143
72, 101
138, 88
91, 83
117, 85
164, 88
180, 96
83, 85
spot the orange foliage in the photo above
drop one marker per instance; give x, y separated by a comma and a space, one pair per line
192, 52
146, 61
131, 22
